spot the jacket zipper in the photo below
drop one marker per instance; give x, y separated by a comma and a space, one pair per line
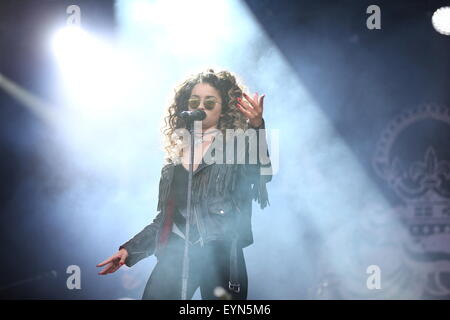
197, 220
199, 224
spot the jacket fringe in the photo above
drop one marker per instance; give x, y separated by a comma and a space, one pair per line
259, 192
212, 181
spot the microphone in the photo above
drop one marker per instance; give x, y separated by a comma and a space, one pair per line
196, 115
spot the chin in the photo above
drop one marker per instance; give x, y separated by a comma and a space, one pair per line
206, 125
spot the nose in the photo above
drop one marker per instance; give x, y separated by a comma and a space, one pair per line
201, 106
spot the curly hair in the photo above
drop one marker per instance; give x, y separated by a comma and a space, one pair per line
229, 89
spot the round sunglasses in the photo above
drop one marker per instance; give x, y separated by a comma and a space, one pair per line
209, 103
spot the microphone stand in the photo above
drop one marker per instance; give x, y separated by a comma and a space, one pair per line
185, 272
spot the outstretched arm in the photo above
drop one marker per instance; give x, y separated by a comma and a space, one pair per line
143, 244
140, 246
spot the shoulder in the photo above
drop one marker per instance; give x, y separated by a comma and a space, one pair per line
167, 169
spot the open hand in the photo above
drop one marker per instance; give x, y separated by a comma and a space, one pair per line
114, 262
252, 109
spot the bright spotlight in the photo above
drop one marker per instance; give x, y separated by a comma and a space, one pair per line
95, 72
441, 20
68, 41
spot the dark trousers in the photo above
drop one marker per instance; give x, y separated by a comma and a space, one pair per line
209, 267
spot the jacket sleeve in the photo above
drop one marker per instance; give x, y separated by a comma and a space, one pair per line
259, 174
143, 244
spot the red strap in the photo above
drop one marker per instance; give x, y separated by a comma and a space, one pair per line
167, 227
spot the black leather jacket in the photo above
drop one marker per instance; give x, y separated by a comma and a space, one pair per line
221, 203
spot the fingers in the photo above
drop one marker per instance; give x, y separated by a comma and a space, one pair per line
256, 102
114, 268
110, 268
107, 269
250, 100
241, 108
244, 105
106, 261
247, 110
261, 102
252, 108
112, 264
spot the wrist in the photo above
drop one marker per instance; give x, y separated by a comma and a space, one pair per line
255, 124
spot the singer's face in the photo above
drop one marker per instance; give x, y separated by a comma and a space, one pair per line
207, 98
